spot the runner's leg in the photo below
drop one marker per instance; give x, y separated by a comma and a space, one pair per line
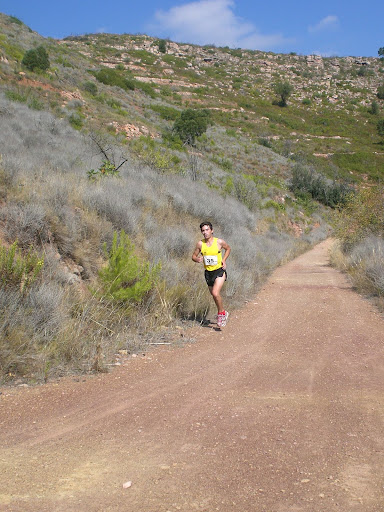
216, 292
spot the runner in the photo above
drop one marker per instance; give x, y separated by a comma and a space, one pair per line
208, 251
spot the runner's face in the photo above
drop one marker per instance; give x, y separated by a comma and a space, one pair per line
207, 232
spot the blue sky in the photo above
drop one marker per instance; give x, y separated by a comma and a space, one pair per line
326, 28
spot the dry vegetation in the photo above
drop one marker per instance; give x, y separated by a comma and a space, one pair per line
360, 251
62, 322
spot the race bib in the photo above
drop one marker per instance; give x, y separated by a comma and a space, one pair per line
210, 260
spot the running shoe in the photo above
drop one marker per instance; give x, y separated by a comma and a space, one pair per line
224, 319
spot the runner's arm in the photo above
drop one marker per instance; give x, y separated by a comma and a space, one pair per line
196, 256
223, 245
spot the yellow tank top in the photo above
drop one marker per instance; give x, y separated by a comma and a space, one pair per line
212, 255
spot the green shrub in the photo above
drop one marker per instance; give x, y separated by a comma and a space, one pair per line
18, 270
374, 109
113, 102
307, 182
263, 141
15, 20
107, 168
144, 56
274, 204
11, 50
35, 104
126, 277
362, 216
114, 77
231, 132
167, 113
191, 124
16, 96
157, 158
380, 92
284, 90
363, 71
76, 120
90, 87
172, 140
174, 61
162, 44
36, 58
224, 163
380, 127
64, 62
146, 88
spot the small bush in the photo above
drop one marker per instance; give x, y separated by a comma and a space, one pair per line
263, 141
146, 88
36, 58
14, 19
126, 278
26, 223
17, 270
76, 121
374, 109
35, 104
162, 44
16, 96
284, 90
367, 262
306, 182
191, 124
380, 127
362, 216
380, 92
364, 263
90, 87
107, 168
156, 157
244, 190
167, 113
143, 56
114, 77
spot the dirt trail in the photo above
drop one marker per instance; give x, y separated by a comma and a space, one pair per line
281, 411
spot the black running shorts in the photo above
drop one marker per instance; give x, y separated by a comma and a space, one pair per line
210, 275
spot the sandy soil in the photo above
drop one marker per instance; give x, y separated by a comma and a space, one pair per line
280, 411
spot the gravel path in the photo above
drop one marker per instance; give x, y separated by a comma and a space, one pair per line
280, 411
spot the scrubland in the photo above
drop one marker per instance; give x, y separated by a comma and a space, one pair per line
62, 321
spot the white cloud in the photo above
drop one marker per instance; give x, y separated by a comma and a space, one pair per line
213, 22
327, 23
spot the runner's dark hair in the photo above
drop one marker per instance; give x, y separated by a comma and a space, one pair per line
206, 224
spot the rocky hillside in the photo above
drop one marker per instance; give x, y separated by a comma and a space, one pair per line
328, 120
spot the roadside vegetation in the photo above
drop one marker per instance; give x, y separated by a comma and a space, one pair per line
360, 251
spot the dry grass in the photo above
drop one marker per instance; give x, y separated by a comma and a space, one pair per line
364, 264
60, 326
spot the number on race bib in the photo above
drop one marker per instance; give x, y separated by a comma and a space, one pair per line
210, 260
